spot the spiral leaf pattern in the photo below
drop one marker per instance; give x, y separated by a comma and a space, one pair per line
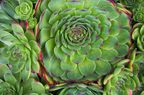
81, 39
25, 9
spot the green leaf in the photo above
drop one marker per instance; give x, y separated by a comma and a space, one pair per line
66, 50
131, 84
85, 50
25, 73
49, 45
87, 67
53, 66
37, 88
122, 50
9, 7
44, 4
109, 43
124, 36
56, 4
3, 60
36, 67
140, 44
107, 78
74, 75
7, 38
29, 35
135, 33
102, 67
97, 43
123, 21
77, 58
59, 53
94, 54
3, 69
33, 94
34, 46
142, 93
44, 35
45, 19
19, 33
114, 28
67, 65
109, 54
8, 77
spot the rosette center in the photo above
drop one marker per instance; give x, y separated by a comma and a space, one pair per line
76, 33
24, 7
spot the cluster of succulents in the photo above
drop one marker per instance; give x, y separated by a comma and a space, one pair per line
71, 47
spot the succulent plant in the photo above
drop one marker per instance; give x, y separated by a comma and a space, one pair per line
136, 6
138, 36
32, 22
138, 69
131, 3
19, 51
25, 9
78, 89
80, 39
9, 7
13, 85
121, 81
73, 47
138, 14
140, 89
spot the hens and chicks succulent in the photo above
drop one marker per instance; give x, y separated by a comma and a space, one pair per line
71, 47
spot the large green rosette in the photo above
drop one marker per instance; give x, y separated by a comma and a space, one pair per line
19, 50
80, 39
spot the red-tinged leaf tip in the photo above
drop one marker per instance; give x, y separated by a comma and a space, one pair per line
127, 12
41, 56
41, 17
32, 32
40, 72
26, 24
130, 92
37, 30
48, 80
21, 23
37, 5
113, 2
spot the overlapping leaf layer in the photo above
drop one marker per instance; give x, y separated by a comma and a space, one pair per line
71, 47
81, 39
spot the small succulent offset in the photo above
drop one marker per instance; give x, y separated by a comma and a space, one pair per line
71, 47
13, 85
137, 7
138, 35
25, 9
32, 22
138, 13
